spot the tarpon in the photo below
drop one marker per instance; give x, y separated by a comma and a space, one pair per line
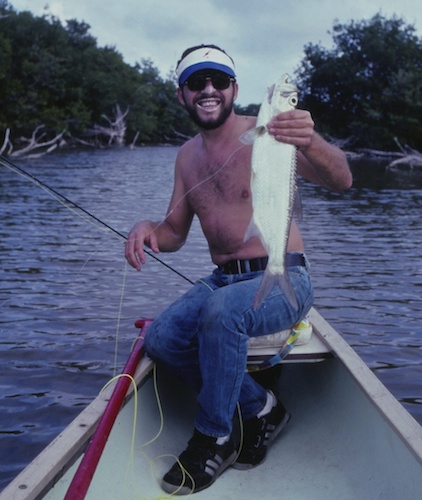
273, 183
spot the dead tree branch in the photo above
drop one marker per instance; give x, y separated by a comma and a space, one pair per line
116, 131
6, 142
132, 146
33, 144
410, 159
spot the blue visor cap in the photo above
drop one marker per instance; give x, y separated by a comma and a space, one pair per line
203, 59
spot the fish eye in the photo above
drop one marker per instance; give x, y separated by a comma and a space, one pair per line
293, 100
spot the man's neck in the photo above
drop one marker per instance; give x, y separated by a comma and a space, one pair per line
222, 135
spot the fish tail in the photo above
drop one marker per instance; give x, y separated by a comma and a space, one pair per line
269, 281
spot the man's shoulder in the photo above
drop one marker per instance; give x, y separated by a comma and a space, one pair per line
189, 145
187, 155
246, 121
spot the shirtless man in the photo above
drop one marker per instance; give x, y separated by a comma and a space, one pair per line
202, 337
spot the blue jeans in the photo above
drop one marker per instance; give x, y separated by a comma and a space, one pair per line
202, 340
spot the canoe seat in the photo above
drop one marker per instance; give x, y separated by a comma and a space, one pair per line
296, 345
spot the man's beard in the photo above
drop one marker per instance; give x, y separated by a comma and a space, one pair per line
210, 124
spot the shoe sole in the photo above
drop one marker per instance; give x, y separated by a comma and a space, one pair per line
185, 490
277, 431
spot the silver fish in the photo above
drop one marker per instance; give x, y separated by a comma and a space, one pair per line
273, 183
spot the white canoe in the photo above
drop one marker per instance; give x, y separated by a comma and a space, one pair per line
348, 438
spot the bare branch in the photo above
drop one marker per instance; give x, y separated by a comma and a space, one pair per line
116, 131
183, 136
6, 141
33, 144
132, 146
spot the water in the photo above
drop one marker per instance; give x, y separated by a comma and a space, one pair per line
62, 280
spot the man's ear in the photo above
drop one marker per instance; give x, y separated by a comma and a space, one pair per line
236, 91
180, 96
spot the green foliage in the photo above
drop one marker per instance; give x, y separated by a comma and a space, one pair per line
57, 76
250, 109
368, 86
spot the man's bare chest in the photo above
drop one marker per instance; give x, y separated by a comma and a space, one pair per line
213, 185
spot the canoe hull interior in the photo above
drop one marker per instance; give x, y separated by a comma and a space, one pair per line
348, 438
335, 445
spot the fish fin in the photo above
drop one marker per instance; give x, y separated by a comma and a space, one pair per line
297, 204
269, 281
252, 231
270, 92
250, 135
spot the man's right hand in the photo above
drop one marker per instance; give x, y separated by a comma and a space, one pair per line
142, 233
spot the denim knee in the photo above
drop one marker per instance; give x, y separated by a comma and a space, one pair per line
150, 342
220, 310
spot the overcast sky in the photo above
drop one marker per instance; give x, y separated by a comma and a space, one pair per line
265, 37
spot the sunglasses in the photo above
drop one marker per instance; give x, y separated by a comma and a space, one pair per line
220, 81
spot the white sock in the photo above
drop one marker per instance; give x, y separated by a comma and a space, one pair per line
271, 402
222, 440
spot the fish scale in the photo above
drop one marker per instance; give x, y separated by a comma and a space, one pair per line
273, 182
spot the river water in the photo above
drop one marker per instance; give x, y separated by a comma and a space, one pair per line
68, 301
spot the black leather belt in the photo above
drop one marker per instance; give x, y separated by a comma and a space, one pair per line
259, 264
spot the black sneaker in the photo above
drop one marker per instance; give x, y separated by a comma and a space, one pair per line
258, 435
203, 462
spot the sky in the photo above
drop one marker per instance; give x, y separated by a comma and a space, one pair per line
266, 38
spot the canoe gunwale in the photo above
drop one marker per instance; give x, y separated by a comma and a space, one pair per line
399, 419
59, 456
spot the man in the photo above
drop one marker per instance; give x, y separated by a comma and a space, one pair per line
202, 337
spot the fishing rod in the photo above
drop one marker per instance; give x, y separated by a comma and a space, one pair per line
85, 472
72, 205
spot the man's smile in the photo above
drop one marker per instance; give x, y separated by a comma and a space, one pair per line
208, 104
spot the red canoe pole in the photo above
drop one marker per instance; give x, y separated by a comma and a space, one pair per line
83, 476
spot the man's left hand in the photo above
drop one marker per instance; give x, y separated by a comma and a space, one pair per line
293, 127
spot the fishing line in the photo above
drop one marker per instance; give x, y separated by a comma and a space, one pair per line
159, 406
70, 205
152, 462
52, 192
204, 180
76, 209
135, 414
207, 179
